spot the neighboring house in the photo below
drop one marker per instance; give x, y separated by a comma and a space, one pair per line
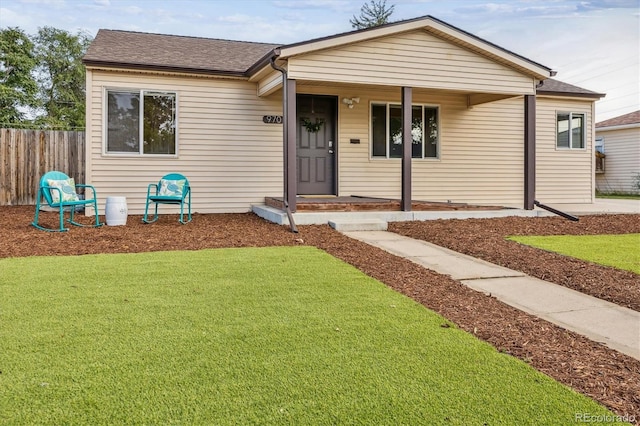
619, 140
487, 126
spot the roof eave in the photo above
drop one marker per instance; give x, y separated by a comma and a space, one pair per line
262, 62
572, 95
162, 68
617, 127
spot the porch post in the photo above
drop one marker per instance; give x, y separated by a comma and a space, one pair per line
407, 140
290, 154
529, 151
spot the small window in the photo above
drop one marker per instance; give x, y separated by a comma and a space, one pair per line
570, 130
134, 116
386, 131
600, 145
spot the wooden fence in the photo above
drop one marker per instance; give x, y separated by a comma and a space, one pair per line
25, 155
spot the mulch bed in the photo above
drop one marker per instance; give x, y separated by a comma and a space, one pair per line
607, 376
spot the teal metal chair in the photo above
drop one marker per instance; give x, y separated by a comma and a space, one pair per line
171, 189
60, 192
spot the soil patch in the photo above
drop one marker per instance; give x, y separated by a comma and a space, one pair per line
588, 367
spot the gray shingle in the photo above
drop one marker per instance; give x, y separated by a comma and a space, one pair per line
551, 86
190, 54
622, 120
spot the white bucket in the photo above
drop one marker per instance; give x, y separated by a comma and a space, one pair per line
116, 211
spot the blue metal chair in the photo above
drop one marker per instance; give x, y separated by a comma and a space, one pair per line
171, 189
60, 192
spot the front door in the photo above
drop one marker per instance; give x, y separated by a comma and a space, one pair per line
316, 144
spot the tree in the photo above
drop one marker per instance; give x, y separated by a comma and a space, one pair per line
18, 88
372, 14
61, 77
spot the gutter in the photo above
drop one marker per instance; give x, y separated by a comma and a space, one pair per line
162, 68
285, 139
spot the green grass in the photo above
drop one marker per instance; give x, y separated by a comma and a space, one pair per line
618, 195
619, 251
246, 336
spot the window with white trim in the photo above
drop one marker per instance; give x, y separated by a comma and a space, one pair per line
138, 115
570, 130
386, 131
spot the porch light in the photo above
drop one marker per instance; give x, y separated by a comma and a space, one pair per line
350, 101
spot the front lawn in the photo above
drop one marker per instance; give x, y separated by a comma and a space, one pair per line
246, 336
620, 251
618, 195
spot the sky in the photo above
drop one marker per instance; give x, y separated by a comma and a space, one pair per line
593, 44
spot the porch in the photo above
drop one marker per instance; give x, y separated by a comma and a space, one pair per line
368, 213
357, 203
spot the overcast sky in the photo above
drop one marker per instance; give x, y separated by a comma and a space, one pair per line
593, 44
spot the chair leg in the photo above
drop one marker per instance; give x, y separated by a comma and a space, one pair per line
182, 213
37, 217
62, 228
146, 210
188, 211
95, 210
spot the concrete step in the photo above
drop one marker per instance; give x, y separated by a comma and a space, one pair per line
345, 225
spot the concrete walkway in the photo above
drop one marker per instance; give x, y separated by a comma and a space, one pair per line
601, 321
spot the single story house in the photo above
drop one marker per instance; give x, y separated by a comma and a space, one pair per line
412, 110
619, 140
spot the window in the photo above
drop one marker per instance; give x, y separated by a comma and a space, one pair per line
130, 120
600, 144
570, 132
386, 131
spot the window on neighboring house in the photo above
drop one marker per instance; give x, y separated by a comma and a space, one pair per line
600, 144
570, 131
135, 116
386, 131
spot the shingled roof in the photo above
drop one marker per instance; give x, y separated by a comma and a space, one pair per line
161, 52
622, 120
126, 49
551, 86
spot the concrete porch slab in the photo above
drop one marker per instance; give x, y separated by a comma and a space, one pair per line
358, 225
323, 217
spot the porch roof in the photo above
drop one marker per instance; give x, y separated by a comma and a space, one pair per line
204, 56
428, 23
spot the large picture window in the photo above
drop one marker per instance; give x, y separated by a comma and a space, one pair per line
570, 130
135, 116
386, 131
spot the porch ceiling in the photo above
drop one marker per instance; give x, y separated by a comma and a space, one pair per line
473, 98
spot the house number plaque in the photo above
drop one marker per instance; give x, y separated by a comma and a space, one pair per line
272, 119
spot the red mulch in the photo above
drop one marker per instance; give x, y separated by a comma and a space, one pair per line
604, 374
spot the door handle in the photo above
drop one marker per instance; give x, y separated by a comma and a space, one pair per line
330, 151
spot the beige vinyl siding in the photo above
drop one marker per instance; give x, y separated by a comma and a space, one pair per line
563, 175
481, 150
622, 162
270, 83
417, 59
230, 156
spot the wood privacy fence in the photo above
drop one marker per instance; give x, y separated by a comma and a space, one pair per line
25, 155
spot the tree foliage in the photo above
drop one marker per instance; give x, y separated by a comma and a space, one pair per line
18, 87
372, 14
42, 78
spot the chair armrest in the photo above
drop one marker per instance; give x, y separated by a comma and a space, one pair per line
152, 185
82, 185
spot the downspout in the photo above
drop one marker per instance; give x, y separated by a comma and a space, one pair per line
285, 139
530, 159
